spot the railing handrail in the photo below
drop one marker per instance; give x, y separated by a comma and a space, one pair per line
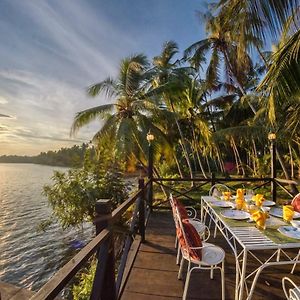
63, 276
198, 179
53, 287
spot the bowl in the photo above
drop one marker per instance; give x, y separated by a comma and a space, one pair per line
295, 223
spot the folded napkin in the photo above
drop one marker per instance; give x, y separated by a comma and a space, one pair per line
240, 193
226, 195
288, 212
259, 199
260, 217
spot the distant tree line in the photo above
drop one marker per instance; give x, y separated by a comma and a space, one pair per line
65, 157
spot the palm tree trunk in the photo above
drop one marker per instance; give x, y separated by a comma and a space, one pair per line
178, 165
236, 159
184, 148
207, 162
291, 161
293, 187
220, 160
239, 157
197, 153
255, 159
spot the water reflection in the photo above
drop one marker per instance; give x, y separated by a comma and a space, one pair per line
28, 258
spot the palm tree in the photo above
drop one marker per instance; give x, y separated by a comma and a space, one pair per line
167, 78
224, 52
128, 118
270, 16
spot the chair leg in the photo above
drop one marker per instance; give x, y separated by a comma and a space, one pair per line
223, 280
178, 256
212, 272
186, 285
215, 231
181, 268
294, 266
176, 241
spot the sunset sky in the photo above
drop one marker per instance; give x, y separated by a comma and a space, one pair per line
51, 51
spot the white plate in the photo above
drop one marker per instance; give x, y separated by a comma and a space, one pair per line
277, 212
231, 198
235, 214
222, 204
268, 203
290, 231
295, 223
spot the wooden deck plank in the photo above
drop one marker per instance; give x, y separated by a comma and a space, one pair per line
154, 273
12, 292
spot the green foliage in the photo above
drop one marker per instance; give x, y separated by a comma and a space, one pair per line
73, 194
65, 157
82, 290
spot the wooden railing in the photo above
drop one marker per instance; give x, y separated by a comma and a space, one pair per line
106, 285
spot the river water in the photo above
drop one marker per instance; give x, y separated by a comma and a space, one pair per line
28, 257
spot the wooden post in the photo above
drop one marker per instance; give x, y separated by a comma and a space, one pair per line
104, 286
141, 209
273, 170
150, 175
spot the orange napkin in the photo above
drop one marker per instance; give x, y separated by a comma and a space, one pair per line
240, 193
227, 195
259, 199
260, 218
288, 212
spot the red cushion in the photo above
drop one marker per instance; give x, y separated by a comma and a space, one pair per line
181, 209
296, 203
192, 240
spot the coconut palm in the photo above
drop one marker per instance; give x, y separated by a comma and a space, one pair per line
270, 15
127, 118
224, 52
167, 82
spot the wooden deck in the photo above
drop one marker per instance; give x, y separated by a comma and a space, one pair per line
154, 273
11, 292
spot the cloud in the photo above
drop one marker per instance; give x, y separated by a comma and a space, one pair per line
54, 50
5, 116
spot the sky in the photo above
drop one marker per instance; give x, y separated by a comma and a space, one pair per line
51, 51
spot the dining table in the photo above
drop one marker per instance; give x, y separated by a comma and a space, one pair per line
267, 248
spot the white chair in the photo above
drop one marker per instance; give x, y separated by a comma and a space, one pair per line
291, 290
210, 259
217, 190
201, 228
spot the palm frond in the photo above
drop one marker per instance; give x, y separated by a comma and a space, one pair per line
86, 116
108, 86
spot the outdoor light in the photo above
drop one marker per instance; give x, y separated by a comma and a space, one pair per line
150, 137
272, 136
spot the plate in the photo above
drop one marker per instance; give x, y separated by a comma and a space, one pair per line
295, 223
277, 212
235, 214
231, 198
290, 231
222, 204
268, 203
